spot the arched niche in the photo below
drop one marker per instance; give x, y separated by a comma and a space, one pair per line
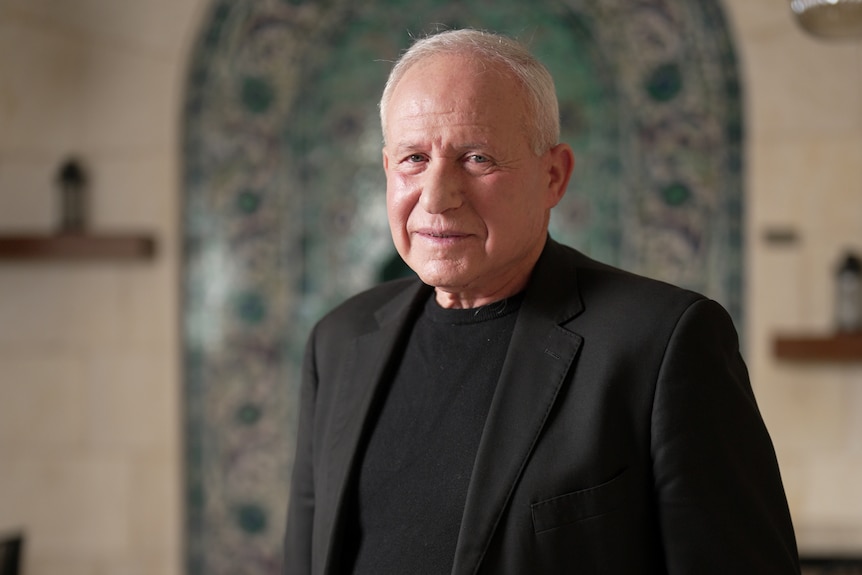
284, 211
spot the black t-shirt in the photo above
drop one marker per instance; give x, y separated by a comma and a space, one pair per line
412, 482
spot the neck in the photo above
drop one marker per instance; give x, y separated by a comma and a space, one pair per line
451, 299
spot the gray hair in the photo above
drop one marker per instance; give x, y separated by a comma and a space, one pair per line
543, 115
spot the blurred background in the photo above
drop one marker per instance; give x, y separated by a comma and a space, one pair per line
186, 185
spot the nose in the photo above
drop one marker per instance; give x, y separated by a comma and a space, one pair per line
441, 188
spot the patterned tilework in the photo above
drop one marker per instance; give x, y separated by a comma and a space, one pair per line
284, 199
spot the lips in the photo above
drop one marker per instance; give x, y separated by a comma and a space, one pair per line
440, 234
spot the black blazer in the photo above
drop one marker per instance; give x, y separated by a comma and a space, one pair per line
623, 437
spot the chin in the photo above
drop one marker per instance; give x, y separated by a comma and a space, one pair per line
437, 271
438, 279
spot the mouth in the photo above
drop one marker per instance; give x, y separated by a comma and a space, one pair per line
440, 234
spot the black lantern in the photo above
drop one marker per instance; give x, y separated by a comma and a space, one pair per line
73, 197
848, 294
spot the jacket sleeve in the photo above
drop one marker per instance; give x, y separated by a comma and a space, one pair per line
721, 503
300, 516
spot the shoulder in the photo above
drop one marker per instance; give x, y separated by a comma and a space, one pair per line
364, 311
621, 305
600, 284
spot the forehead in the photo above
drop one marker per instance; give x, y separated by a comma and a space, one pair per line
451, 90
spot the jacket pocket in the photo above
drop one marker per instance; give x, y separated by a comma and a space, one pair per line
580, 505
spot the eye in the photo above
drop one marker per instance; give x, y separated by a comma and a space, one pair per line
415, 158
478, 158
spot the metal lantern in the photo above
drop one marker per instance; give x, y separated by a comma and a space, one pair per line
73, 197
831, 19
848, 294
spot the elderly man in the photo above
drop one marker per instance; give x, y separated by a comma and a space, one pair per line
522, 409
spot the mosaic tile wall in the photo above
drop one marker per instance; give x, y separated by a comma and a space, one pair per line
284, 199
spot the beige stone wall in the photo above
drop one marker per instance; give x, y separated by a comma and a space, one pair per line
804, 172
90, 432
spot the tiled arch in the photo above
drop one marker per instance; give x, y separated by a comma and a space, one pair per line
284, 212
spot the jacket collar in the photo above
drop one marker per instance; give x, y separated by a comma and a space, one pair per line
541, 353
370, 361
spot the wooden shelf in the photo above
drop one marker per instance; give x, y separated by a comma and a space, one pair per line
833, 347
830, 546
84, 246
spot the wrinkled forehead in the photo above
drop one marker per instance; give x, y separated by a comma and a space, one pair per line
454, 89
465, 69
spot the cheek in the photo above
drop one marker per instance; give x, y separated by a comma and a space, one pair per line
399, 200
516, 215
397, 215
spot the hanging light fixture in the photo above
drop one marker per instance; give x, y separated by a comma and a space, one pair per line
833, 19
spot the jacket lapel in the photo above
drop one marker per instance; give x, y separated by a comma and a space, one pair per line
541, 354
369, 360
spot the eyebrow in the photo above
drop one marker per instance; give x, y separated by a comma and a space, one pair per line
417, 145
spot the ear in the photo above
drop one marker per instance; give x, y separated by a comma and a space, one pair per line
385, 161
561, 163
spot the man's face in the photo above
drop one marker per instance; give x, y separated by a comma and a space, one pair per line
468, 200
